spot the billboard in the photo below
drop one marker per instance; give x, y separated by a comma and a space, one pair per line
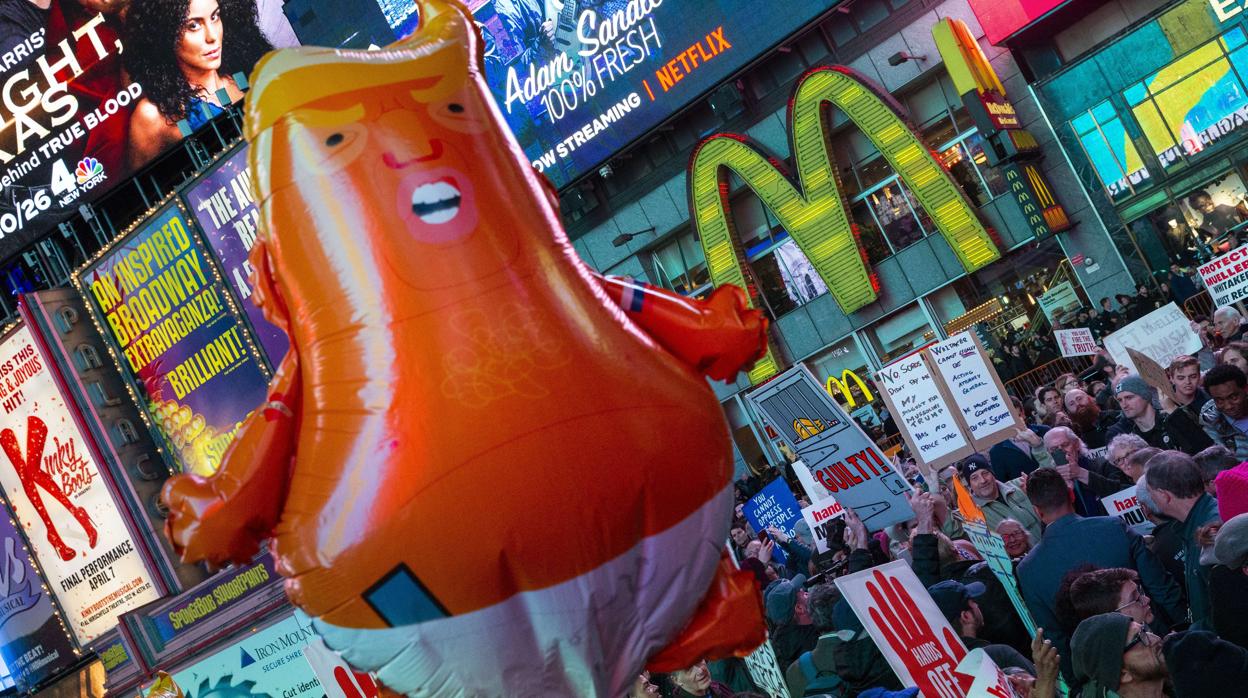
1002, 18
33, 643
578, 80
267, 663
157, 296
79, 114
58, 494
222, 204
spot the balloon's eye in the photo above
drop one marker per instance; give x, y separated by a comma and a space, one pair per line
334, 140
455, 108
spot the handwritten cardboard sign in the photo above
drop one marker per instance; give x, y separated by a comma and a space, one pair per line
948, 401
844, 462
1161, 335
919, 408
1076, 342
975, 388
1152, 373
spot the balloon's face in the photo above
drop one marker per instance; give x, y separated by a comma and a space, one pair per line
406, 158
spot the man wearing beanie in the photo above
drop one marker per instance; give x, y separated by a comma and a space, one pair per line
792, 632
1176, 430
1111, 652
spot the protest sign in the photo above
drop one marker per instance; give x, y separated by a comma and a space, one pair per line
59, 496
1152, 373
1076, 342
176, 335
988, 681
1126, 506
974, 389
908, 628
1059, 300
818, 516
844, 461
921, 412
1226, 277
764, 668
223, 207
1161, 335
992, 548
774, 505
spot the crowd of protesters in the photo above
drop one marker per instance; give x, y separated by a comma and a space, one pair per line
1120, 613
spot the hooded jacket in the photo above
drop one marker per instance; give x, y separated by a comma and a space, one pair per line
1222, 431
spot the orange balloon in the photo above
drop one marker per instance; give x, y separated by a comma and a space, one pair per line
483, 466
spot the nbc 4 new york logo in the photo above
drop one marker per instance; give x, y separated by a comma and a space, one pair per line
69, 186
87, 169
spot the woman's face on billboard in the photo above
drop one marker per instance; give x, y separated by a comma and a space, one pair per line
200, 47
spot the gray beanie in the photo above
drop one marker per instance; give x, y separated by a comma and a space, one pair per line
1134, 384
1096, 648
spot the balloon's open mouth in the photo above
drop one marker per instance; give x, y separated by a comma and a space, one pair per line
436, 203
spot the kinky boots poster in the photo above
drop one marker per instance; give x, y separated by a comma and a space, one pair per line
60, 498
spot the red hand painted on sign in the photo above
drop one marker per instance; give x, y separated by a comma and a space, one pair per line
929, 660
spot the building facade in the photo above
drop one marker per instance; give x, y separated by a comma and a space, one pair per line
632, 217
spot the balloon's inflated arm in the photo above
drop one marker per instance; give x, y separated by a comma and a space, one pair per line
718, 337
224, 518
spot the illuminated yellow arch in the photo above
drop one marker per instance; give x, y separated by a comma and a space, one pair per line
812, 208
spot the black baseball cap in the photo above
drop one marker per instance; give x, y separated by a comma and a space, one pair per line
972, 463
953, 597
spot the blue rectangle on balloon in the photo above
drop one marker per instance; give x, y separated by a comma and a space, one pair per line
578, 80
774, 505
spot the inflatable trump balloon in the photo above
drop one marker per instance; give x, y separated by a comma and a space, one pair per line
486, 471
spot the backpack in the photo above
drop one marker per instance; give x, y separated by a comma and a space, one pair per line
819, 683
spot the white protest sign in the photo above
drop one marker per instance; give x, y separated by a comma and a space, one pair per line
337, 679
920, 411
1226, 277
989, 681
908, 627
1076, 342
764, 668
818, 516
843, 460
1126, 506
1161, 335
976, 390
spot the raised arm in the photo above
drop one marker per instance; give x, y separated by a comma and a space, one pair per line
225, 517
718, 337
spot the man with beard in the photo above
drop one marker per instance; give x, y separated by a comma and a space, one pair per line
1088, 420
1115, 655
1176, 430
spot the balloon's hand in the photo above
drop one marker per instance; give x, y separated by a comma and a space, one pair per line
204, 526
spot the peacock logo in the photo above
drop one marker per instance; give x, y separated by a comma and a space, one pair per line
87, 169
